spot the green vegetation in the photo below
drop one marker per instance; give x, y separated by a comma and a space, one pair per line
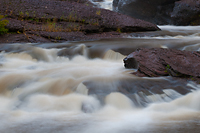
83, 20
34, 14
27, 14
191, 77
72, 17
44, 23
58, 38
167, 68
3, 23
119, 30
21, 14
98, 12
51, 27
95, 23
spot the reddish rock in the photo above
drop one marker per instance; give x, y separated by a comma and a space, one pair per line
163, 62
43, 16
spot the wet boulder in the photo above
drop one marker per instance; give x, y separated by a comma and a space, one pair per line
162, 12
156, 62
186, 12
155, 11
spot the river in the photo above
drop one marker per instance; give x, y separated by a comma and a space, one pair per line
83, 87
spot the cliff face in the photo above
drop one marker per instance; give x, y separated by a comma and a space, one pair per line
162, 12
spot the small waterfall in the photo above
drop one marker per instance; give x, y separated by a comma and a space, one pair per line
105, 4
119, 101
111, 55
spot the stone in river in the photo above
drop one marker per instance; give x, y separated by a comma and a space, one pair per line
156, 62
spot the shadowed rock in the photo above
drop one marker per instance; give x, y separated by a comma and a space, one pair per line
176, 12
186, 12
139, 89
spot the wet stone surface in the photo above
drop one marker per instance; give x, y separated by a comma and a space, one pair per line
164, 62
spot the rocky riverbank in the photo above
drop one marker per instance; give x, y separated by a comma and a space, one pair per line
59, 21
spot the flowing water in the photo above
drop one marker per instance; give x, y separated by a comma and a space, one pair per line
83, 87
106, 4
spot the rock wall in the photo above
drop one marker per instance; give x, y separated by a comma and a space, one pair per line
161, 12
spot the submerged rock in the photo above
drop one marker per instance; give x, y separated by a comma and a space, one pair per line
156, 62
162, 12
141, 91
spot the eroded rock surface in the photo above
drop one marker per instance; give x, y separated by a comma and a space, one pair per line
164, 62
56, 19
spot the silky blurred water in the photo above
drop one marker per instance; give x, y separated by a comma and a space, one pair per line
44, 89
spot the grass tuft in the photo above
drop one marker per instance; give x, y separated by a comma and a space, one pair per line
3, 23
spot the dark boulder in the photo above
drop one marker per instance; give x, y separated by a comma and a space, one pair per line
164, 62
186, 12
156, 11
176, 12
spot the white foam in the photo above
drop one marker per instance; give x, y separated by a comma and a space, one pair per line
119, 101
49, 96
106, 4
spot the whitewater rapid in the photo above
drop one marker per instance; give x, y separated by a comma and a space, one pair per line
43, 88
43, 92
